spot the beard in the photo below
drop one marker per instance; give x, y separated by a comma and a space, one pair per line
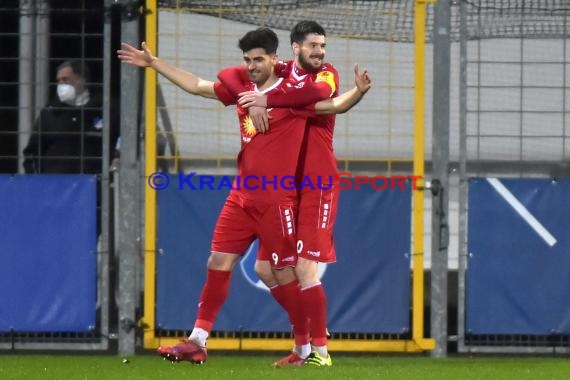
306, 63
258, 76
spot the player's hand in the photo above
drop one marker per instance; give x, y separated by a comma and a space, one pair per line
259, 118
252, 98
362, 80
141, 58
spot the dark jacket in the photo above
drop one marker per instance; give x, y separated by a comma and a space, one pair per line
66, 139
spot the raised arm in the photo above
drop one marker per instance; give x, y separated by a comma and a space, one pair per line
184, 79
349, 99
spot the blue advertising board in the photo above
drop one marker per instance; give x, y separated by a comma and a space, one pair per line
368, 289
518, 268
48, 237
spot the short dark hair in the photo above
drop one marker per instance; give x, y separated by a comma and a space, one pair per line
79, 68
303, 28
263, 38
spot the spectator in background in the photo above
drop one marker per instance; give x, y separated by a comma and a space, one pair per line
67, 136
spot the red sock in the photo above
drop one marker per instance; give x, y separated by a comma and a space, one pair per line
289, 297
277, 293
214, 294
315, 304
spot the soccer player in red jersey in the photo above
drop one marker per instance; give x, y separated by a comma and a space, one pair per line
249, 211
318, 196
317, 207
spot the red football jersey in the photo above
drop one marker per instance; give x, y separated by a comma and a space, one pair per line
267, 163
318, 158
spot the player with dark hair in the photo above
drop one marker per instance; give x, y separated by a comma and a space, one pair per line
248, 213
317, 207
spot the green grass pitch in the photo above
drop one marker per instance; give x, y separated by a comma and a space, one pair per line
226, 367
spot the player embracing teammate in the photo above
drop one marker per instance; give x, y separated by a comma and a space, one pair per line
317, 205
300, 143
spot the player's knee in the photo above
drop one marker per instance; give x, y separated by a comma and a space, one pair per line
307, 272
222, 261
284, 275
263, 271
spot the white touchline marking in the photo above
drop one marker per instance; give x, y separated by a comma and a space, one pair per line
522, 211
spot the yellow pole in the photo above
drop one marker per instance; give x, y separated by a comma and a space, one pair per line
151, 21
418, 194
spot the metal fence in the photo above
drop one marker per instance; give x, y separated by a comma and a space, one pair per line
513, 120
36, 38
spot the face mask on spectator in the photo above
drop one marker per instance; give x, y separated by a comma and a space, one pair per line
66, 93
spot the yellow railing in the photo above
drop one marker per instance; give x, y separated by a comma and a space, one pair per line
418, 211
151, 22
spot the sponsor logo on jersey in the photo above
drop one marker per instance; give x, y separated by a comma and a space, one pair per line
248, 130
314, 253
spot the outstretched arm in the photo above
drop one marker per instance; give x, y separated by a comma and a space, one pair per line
349, 99
183, 79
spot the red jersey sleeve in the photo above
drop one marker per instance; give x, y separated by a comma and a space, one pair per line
282, 69
308, 111
235, 79
224, 95
323, 86
328, 77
